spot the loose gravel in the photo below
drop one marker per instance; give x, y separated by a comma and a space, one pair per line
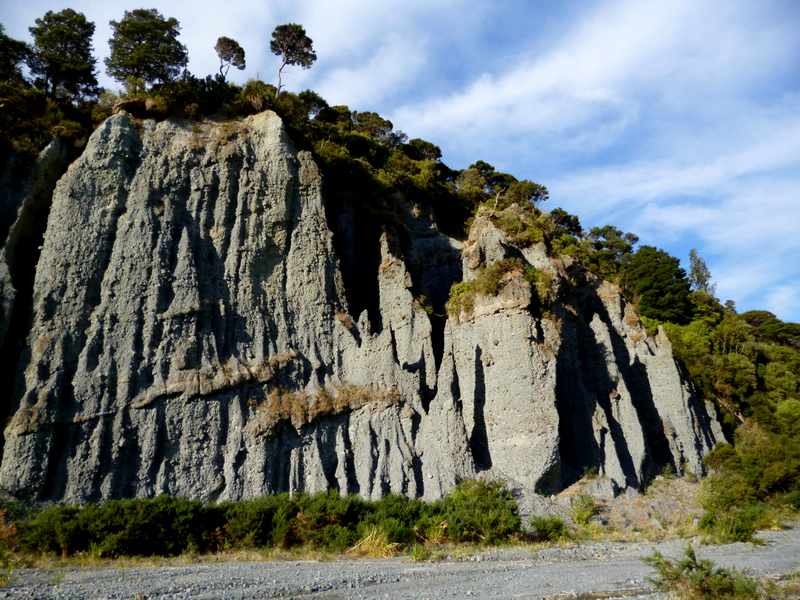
593, 570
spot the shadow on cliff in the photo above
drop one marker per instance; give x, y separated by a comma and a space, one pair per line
478, 439
584, 383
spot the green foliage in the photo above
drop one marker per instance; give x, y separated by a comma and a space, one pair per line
477, 511
524, 193
461, 299
29, 120
487, 282
473, 512
606, 249
583, 509
257, 94
523, 227
164, 526
747, 366
548, 529
144, 47
767, 327
420, 552
567, 223
12, 54
230, 54
658, 284
482, 183
418, 149
291, 43
760, 467
61, 58
699, 274
192, 97
693, 579
490, 280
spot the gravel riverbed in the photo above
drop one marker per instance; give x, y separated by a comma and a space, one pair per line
593, 570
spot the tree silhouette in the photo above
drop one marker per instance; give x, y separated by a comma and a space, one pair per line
291, 43
145, 48
61, 58
230, 53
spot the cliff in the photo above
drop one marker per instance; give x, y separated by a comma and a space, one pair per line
205, 324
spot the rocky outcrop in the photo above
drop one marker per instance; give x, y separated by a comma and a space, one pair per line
189, 286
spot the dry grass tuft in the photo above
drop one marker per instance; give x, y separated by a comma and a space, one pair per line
375, 544
302, 407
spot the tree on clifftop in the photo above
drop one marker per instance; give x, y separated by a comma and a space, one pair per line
699, 274
230, 53
145, 49
656, 281
61, 57
291, 43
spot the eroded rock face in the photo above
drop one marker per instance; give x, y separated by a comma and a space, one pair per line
188, 276
25, 194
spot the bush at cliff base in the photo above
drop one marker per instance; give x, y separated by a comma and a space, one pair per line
474, 512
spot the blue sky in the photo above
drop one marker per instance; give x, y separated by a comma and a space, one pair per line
678, 120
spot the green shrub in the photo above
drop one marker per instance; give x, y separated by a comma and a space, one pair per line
252, 523
462, 298
583, 509
420, 552
256, 95
548, 529
56, 529
747, 479
477, 511
693, 579
735, 523
328, 521
488, 281
474, 512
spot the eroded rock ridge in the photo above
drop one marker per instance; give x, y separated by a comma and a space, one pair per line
191, 335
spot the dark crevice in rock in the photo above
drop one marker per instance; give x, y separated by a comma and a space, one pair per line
438, 322
416, 461
384, 480
325, 438
478, 440
349, 464
280, 457
426, 394
373, 463
577, 448
356, 240
15, 180
455, 388
105, 432
617, 435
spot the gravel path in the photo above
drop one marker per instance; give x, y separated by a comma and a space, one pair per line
602, 570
